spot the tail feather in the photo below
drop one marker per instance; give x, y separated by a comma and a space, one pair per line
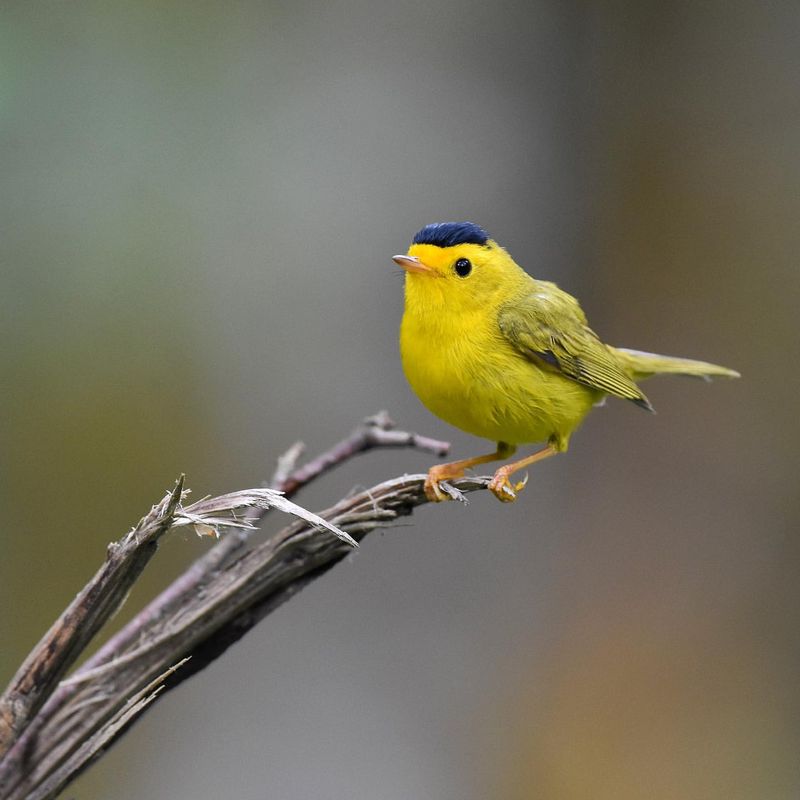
641, 365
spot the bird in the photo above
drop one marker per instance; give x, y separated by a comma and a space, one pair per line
507, 357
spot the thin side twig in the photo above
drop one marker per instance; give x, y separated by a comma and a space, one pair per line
377, 431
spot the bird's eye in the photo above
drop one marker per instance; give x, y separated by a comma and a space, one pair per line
463, 267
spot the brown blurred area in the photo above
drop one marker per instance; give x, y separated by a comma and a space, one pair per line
199, 206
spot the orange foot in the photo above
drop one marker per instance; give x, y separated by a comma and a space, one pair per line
455, 469
502, 488
436, 475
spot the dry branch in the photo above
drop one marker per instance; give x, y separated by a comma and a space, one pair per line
53, 730
77, 625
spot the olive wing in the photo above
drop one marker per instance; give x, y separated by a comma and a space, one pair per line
550, 328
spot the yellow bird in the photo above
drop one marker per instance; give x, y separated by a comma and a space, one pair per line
503, 356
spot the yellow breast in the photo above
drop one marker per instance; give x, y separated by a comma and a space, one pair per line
465, 372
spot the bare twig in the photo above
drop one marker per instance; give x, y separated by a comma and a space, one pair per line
287, 464
375, 432
205, 611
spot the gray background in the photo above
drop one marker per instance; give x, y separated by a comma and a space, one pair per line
199, 204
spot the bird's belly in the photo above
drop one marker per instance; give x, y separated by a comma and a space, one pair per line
488, 390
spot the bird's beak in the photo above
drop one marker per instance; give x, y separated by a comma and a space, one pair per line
412, 264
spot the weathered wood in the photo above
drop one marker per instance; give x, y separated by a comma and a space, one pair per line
206, 610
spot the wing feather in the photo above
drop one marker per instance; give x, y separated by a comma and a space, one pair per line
549, 327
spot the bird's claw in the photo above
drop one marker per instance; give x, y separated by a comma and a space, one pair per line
502, 488
437, 489
433, 491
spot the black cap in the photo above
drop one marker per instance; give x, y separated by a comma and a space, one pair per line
448, 234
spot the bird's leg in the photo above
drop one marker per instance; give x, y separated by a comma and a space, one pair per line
455, 469
502, 488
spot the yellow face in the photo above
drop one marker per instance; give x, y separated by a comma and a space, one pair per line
463, 277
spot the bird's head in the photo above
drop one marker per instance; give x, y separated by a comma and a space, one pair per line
456, 264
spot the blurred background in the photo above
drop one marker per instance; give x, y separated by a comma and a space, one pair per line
199, 205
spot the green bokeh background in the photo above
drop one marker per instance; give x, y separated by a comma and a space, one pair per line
199, 204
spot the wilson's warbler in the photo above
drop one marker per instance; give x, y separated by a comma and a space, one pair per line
503, 356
